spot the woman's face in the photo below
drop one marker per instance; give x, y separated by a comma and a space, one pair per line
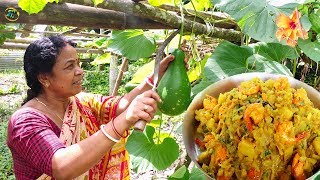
66, 77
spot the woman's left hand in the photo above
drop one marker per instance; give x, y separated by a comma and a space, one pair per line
165, 63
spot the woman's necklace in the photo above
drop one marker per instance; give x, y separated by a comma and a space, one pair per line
48, 108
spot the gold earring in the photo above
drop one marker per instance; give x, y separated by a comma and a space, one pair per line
46, 85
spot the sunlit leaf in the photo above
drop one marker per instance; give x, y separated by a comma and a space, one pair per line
174, 43
142, 73
197, 72
103, 59
256, 18
159, 2
97, 2
311, 49
146, 155
132, 44
161, 136
200, 5
32, 6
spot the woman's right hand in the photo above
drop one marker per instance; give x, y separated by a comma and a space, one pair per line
143, 107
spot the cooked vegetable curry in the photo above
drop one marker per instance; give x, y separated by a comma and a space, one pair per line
260, 130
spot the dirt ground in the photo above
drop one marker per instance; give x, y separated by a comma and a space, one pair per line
14, 100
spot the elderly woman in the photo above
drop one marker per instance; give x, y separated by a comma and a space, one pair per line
63, 133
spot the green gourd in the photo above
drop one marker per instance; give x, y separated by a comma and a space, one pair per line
174, 87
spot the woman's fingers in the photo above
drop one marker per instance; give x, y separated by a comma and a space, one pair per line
168, 59
152, 94
143, 107
165, 63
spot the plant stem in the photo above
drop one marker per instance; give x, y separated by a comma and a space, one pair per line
294, 68
160, 127
247, 40
182, 25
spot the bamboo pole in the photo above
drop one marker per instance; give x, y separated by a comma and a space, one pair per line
8, 45
84, 34
124, 65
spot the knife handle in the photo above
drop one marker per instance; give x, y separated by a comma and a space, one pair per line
140, 125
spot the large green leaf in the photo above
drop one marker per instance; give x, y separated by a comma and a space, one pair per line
197, 174
314, 19
259, 63
146, 155
229, 59
256, 18
275, 51
311, 49
181, 174
32, 6
132, 44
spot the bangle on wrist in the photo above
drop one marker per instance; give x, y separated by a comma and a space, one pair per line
116, 132
108, 135
149, 81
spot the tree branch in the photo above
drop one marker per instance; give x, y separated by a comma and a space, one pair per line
164, 17
219, 19
67, 14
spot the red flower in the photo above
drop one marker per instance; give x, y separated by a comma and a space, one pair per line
290, 29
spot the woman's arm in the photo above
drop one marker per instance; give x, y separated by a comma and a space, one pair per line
126, 100
76, 159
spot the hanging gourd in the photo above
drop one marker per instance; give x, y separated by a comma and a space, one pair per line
174, 87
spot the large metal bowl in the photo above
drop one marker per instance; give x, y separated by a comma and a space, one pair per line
224, 86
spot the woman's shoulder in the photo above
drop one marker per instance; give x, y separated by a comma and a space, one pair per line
27, 115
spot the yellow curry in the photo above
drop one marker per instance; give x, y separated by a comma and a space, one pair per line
260, 130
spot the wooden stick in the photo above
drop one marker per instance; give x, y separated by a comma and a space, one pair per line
120, 75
